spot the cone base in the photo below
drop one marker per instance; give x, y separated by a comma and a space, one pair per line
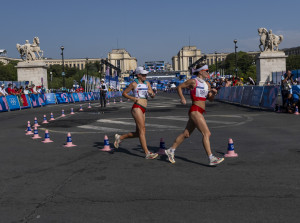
36, 137
63, 116
80, 109
51, 119
72, 113
36, 125
45, 122
231, 154
296, 113
29, 133
70, 145
161, 152
105, 149
47, 141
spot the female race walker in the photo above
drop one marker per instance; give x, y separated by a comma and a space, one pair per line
200, 91
141, 89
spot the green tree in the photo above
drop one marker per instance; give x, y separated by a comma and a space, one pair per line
293, 62
8, 72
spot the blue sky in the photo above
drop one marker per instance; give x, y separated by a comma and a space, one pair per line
148, 30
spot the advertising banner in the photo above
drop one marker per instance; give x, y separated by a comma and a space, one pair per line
50, 99
34, 98
70, 98
61, 98
81, 97
3, 104
75, 97
42, 99
86, 96
13, 102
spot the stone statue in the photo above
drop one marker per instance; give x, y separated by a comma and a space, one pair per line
268, 40
30, 52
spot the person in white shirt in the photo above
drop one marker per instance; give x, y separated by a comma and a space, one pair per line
103, 91
2, 90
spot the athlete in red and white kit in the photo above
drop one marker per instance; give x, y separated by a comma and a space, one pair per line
141, 90
200, 90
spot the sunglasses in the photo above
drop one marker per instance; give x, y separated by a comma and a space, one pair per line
144, 75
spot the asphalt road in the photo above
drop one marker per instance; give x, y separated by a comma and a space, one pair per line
49, 183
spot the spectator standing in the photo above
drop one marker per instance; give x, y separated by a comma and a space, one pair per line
103, 91
286, 87
3, 91
26, 90
10, 90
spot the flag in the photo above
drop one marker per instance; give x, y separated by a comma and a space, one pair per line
91, 80
83, 78
107, 71
218, 74
22, 99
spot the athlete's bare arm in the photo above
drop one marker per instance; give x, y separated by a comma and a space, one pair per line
187, 84
211, 92
127, 90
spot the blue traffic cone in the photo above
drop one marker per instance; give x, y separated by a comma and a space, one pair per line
162, 147
230, 152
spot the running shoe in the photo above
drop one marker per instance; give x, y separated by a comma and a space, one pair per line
151, 156
170, 155
117, 141
215, 160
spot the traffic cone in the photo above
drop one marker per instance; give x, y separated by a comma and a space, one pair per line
162, 147
114, 101
45, 120
29, 132
69, 141
296, 111
36, 134
106, 147
80, 108
36, 124
72, 111
90, 105
51, 117
63, 113
107, 102
28, 123
47, 137
230, 152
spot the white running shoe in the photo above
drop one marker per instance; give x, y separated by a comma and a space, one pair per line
117, 141
151, 156
215, 160
170, 155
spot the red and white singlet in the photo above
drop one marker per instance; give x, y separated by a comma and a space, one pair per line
199, 93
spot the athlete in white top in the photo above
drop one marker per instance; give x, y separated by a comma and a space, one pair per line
200, 90
141, 89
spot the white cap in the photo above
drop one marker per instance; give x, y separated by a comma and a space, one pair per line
205, 67
102, 80
140, 70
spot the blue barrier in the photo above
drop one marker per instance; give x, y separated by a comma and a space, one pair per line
86, 96
81, 97
269, 97
42, 99
247, 94
13, 102
256, 96
3, 104
50, 99
34, 98
70, 98
75, 97
61, 98
28, 101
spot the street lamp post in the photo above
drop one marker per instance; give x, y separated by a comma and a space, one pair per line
216, 63
63, 66
235, 47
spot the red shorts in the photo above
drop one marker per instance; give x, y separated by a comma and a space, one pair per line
196, 108
139, 106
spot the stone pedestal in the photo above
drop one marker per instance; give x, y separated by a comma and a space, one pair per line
33, 71
268, 62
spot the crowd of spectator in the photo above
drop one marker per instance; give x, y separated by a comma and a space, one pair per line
10, 90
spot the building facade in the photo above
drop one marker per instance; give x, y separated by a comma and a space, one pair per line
292, 51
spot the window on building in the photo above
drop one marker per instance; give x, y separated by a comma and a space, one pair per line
119, 64
190, 60
211, 61
81, 66
78, 66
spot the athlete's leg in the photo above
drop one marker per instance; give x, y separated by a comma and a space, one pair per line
190, 126
139, 118
201, 125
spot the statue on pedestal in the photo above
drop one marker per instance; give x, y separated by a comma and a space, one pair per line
268, 40
30, 52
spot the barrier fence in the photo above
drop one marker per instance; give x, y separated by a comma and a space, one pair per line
17, 102
256, 96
